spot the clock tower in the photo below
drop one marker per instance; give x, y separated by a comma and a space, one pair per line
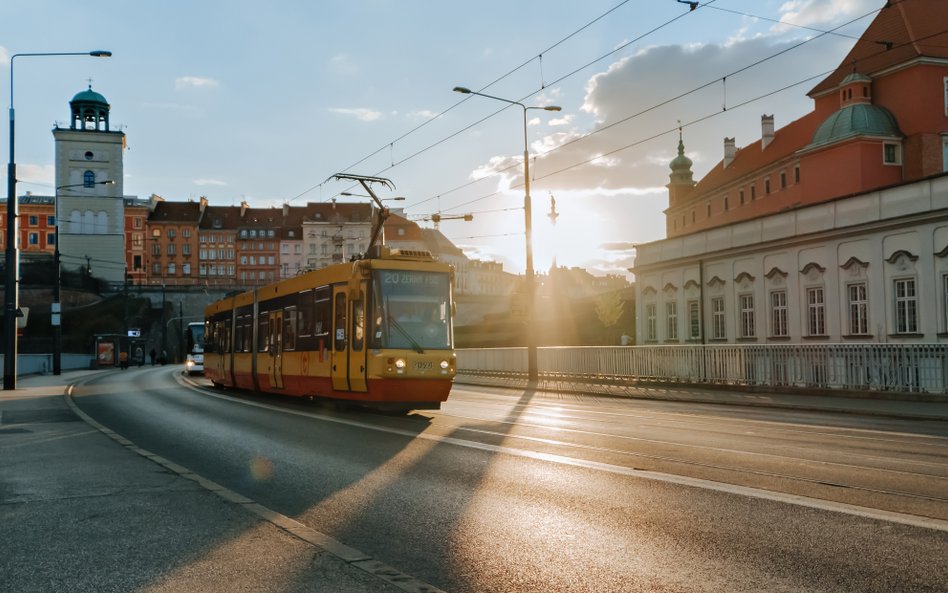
90, 208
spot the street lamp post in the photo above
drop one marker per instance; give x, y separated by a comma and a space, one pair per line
532, 372
11, 292
56, 309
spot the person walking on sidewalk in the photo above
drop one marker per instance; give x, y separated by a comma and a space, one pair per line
152, 355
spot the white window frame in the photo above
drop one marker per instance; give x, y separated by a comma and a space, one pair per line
718, 319
651, 322
906, 305
671, 320
898, 153
778, 314
944, 298
694, 317
816, 311
746, 308
858, 307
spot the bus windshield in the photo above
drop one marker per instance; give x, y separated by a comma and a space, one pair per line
412, 309
195, 338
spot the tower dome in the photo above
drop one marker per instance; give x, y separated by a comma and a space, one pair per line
681, 165
90, 111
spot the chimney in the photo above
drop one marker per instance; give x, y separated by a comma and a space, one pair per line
286, 209
766, 130
243, 207
203, 202
730, 151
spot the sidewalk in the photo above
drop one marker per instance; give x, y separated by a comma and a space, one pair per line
81, 512
872, 404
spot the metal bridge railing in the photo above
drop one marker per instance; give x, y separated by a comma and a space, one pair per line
862, 367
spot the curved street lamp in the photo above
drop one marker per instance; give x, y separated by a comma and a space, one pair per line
532, 371
11, 288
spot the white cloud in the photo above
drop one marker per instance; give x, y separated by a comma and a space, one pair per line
4, 55
359, 113
209, 182
814, 13
422, 114
195, 82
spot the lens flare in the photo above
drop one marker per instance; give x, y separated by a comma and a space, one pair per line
261, 468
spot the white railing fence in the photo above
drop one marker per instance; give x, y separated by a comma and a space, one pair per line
865, 367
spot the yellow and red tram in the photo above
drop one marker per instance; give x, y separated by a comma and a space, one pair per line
377, 331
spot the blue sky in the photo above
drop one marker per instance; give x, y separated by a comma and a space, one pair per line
238, 100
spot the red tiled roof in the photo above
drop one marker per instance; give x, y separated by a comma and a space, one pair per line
912, 28
787, 140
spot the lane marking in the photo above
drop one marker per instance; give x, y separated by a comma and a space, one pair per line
747, 491
347, 554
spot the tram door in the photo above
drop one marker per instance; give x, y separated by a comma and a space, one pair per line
340, 339
357, 350
276, 348
348, 344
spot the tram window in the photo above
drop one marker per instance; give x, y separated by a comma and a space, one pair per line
358, 323
248, 334
246, 339
263, 332
305, 313
322, 312
340, 326
289, 328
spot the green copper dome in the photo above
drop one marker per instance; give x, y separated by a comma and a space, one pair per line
861, 119
89, 96
680, 162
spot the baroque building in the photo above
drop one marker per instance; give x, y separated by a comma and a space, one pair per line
833, 228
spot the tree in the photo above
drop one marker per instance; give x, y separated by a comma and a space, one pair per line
609, 308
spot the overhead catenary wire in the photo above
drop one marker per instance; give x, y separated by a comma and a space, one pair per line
658, 105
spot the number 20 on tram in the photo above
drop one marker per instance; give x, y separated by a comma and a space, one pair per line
376, 331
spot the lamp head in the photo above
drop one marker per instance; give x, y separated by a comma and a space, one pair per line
100, 53
461, 89
552, 108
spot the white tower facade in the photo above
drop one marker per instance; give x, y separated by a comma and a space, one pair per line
90, 210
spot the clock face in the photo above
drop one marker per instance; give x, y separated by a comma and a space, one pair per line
89, 155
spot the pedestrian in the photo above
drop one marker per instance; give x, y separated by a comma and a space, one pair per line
152, 354
139, 355
123, 359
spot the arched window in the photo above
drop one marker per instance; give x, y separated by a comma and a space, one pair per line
88, 222
101, 223
75, 221
88, 179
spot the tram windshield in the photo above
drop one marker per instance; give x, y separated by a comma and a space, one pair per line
412, 309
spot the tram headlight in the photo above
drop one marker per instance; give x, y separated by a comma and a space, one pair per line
400, 364
444, 365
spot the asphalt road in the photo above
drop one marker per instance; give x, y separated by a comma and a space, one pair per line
511, 490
